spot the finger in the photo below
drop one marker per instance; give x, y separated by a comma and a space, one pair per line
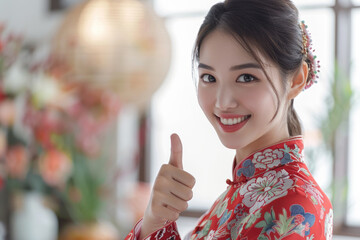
174, 203
162, 212
181, 191
168, 214
176, 152
180, 176
185, 178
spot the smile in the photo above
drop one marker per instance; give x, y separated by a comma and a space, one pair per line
232, 123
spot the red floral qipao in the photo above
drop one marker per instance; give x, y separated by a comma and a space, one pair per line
272, 196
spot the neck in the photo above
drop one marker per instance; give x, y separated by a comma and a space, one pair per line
266, 140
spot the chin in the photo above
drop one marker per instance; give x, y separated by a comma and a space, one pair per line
231, 143
231, 146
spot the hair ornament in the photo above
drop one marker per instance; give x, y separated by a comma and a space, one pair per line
308, 52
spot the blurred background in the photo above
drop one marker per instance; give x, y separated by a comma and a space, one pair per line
90, 92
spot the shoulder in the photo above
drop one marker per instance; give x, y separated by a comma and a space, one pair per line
289, 207
291, 217
291, 181
286, 202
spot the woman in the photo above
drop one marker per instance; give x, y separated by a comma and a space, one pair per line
253, 58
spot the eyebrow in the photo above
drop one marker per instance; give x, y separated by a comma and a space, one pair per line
233, 68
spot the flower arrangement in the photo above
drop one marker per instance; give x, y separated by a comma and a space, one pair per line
52, 131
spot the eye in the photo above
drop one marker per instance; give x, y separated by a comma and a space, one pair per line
246, 78
208, 78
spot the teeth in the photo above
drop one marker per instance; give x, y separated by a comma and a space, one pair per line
233, 121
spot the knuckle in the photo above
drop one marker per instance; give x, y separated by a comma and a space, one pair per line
163, 169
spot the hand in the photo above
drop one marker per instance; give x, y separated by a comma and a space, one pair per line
171, 192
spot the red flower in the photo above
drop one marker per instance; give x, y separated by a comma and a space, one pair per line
17, 161
2, 176
7, 112
299, 219
88, 144
44, 125
3, 143
1, 46
55, 167
2, 93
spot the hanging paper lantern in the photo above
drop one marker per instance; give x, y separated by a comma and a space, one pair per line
117, 44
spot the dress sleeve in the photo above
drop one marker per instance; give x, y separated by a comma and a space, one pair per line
295, 216
168, 232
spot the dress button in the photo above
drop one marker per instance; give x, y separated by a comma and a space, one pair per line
229, 182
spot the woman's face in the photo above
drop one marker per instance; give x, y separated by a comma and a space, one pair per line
236, 96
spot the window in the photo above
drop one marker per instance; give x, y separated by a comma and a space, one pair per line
320, 22
175, 109
311, 3
182, 7
353, 203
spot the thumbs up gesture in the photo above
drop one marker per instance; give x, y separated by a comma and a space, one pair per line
171, 192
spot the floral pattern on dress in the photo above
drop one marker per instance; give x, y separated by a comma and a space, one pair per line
263, 190
211, 235
221, 232
248, 169
298, 222
226, 215
268, 158
204, 232
315, 194
302, 218
219, 208
280, 201
329, 225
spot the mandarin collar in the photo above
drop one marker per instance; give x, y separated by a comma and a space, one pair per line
268, 158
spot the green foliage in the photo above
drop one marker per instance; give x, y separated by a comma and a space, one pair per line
263, 237
268, 223
252, 219
334, 125
1, 67
234, 196
284, 224
339, 103
83, 197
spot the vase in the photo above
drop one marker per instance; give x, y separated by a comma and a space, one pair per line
90, 231
33, 220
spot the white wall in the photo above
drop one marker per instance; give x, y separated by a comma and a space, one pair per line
31, 18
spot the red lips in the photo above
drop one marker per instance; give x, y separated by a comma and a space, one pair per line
232, 127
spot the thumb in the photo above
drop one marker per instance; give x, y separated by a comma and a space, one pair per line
176, 151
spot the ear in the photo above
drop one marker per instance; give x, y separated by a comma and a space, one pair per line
298, 81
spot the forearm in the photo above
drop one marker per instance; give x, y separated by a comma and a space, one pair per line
147, 228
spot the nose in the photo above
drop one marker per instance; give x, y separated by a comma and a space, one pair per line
225, 98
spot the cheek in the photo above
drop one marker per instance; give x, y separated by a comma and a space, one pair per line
205, 99
261, 101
